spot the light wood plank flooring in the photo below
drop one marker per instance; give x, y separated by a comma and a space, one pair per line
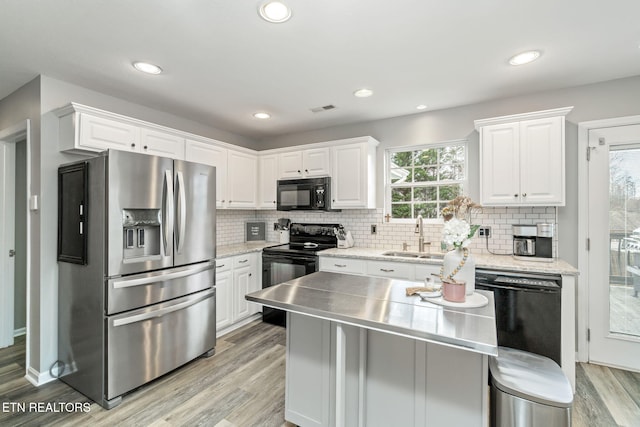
243, 385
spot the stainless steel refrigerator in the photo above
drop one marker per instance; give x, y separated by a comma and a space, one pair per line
136, 252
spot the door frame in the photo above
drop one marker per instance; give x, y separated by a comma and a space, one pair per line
10, 135
582, 310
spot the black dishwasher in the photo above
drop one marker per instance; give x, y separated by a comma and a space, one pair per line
528, 310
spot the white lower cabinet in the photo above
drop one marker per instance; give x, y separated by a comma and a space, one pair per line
391, 269
236, 276
343, 375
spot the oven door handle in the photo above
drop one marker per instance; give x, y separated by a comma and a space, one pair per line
517, 288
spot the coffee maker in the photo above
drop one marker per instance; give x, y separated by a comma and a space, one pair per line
533, 242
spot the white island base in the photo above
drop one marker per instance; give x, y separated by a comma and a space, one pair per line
344, 375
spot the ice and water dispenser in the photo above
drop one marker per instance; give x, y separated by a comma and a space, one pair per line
141, 233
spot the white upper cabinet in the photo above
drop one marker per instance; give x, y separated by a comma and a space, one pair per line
161, 144
242, 177
84, 129
353, 180
304, 163
522, 159
212, 155
268, 173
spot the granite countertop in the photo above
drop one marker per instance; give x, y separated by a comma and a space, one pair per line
488, 261
381, 304
242, 248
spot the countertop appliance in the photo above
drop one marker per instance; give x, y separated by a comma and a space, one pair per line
309, 194
136, 245
296, 259
528, 310
533, 242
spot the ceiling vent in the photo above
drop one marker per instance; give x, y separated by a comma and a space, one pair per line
323, 108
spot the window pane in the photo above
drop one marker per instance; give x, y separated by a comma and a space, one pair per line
425, 193
402, 158
401, 210
451, 172
450, 192
425, 174
452, 154
427, 210
401, 194
426, 157
399, 175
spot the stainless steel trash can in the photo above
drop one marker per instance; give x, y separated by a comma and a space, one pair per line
528, 390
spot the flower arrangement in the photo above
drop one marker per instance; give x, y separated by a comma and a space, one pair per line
457, 230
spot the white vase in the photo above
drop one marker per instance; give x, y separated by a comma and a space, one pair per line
467, 272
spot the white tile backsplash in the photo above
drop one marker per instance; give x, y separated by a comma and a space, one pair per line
231, 227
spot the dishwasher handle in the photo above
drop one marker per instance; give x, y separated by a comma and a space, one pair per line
493, 286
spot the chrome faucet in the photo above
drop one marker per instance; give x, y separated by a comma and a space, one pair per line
419, 230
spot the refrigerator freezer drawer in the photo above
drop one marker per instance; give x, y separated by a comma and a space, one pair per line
140, 290
147, 343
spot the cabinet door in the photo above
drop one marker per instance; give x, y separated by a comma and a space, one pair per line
267, 197
242, 176
500, 165
316, 162
161, 144
99, 134
290, 165
343, 265
241, 280
349, 181
212, 155
308, 376
224, 301
542, 161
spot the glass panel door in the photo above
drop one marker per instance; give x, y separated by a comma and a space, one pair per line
614, 254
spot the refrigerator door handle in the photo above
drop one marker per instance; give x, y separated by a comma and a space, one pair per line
127, 283
181, 212
167, 208
162, 311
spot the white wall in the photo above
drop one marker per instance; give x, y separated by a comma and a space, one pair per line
20, 289
615, 98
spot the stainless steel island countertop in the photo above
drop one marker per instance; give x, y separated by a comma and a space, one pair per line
381, 304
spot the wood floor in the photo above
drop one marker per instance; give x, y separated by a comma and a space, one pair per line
243, 385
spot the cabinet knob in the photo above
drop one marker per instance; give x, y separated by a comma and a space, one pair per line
515, 195
524, 195
298, 170
145, 147
274, 201
133, 145
306, 170
222, 201
249, 274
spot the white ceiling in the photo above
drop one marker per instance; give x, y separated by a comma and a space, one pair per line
223, 63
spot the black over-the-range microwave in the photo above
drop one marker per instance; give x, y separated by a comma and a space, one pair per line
309, 194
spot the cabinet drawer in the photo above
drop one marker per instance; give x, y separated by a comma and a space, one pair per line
396, 270
224, 264
426, 270
343, 265
245, 260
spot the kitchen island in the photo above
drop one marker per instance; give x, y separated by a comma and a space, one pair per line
361, 352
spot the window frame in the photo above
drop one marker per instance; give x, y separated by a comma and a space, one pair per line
387, 176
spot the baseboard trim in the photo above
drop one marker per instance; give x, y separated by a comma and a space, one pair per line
38, 378
239, 324
19, 332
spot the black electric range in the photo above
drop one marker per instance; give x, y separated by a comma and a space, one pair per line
295, 259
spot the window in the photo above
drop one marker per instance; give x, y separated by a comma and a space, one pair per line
421, 180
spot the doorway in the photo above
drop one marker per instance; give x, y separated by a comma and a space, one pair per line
14, 234
613, 242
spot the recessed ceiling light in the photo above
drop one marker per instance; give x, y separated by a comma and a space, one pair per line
262, 115
421, 107
274, 11
363, 93
524, 57
146, 67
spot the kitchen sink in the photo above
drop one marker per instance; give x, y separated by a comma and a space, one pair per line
419, 255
